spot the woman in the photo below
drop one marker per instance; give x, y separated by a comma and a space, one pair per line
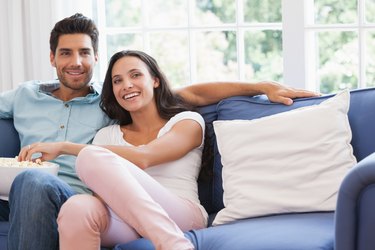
144, 173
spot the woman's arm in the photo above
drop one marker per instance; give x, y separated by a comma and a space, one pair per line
201, 94
184, 136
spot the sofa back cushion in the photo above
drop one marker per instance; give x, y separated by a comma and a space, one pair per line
361, 118
362, 122
10, 143
205, 182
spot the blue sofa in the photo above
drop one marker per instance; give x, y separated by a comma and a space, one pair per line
350, 227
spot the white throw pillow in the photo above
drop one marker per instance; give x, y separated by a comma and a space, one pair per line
288, 162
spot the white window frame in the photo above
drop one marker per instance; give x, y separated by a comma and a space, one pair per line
299, 58
294, 45
300, 68
239, 27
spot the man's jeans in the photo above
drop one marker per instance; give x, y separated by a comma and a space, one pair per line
35, 200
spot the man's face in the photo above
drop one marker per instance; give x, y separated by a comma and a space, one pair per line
74, 61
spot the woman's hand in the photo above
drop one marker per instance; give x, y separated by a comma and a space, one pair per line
279, 93
48, 151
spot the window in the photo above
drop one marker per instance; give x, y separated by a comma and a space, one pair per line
198, 40
341, 35
323, 45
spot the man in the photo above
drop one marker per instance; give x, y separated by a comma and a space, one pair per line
68, 109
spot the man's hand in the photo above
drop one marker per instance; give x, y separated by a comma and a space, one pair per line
48, 151
279, 93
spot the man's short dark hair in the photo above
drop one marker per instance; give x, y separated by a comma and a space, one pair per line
75, 24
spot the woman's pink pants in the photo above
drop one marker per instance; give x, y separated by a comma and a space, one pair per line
131, 205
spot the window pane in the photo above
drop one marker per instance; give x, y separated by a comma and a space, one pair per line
121, 13
262, 11
263, 55
335, 11
167, 13
119, 42
216, 56
208, 12
370, 10
370, 59
171, 50
338, 60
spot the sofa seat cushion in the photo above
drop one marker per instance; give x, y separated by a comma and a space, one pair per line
307, 231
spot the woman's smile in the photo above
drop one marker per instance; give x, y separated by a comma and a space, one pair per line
131, 95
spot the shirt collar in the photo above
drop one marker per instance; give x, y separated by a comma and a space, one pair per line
50, 86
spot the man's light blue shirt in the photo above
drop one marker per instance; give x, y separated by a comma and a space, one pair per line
40, 117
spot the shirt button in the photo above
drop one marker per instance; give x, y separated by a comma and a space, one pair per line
62, 126
66, 105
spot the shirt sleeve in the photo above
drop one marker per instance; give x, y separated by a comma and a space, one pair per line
110, 135
186, 115
7, 100
101, 137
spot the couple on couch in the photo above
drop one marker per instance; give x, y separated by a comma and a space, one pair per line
139, 188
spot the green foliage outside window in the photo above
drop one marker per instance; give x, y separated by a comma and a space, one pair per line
209, 51
261, 11
215, 53
335, 11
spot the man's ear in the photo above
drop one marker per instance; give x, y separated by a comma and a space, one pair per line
96, 58
52, 59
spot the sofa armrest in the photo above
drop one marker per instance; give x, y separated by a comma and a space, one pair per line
9, 142
355, 212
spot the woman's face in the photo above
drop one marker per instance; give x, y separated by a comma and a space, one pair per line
132, 84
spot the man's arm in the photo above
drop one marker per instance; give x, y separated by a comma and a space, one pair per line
7, 99
201, 94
